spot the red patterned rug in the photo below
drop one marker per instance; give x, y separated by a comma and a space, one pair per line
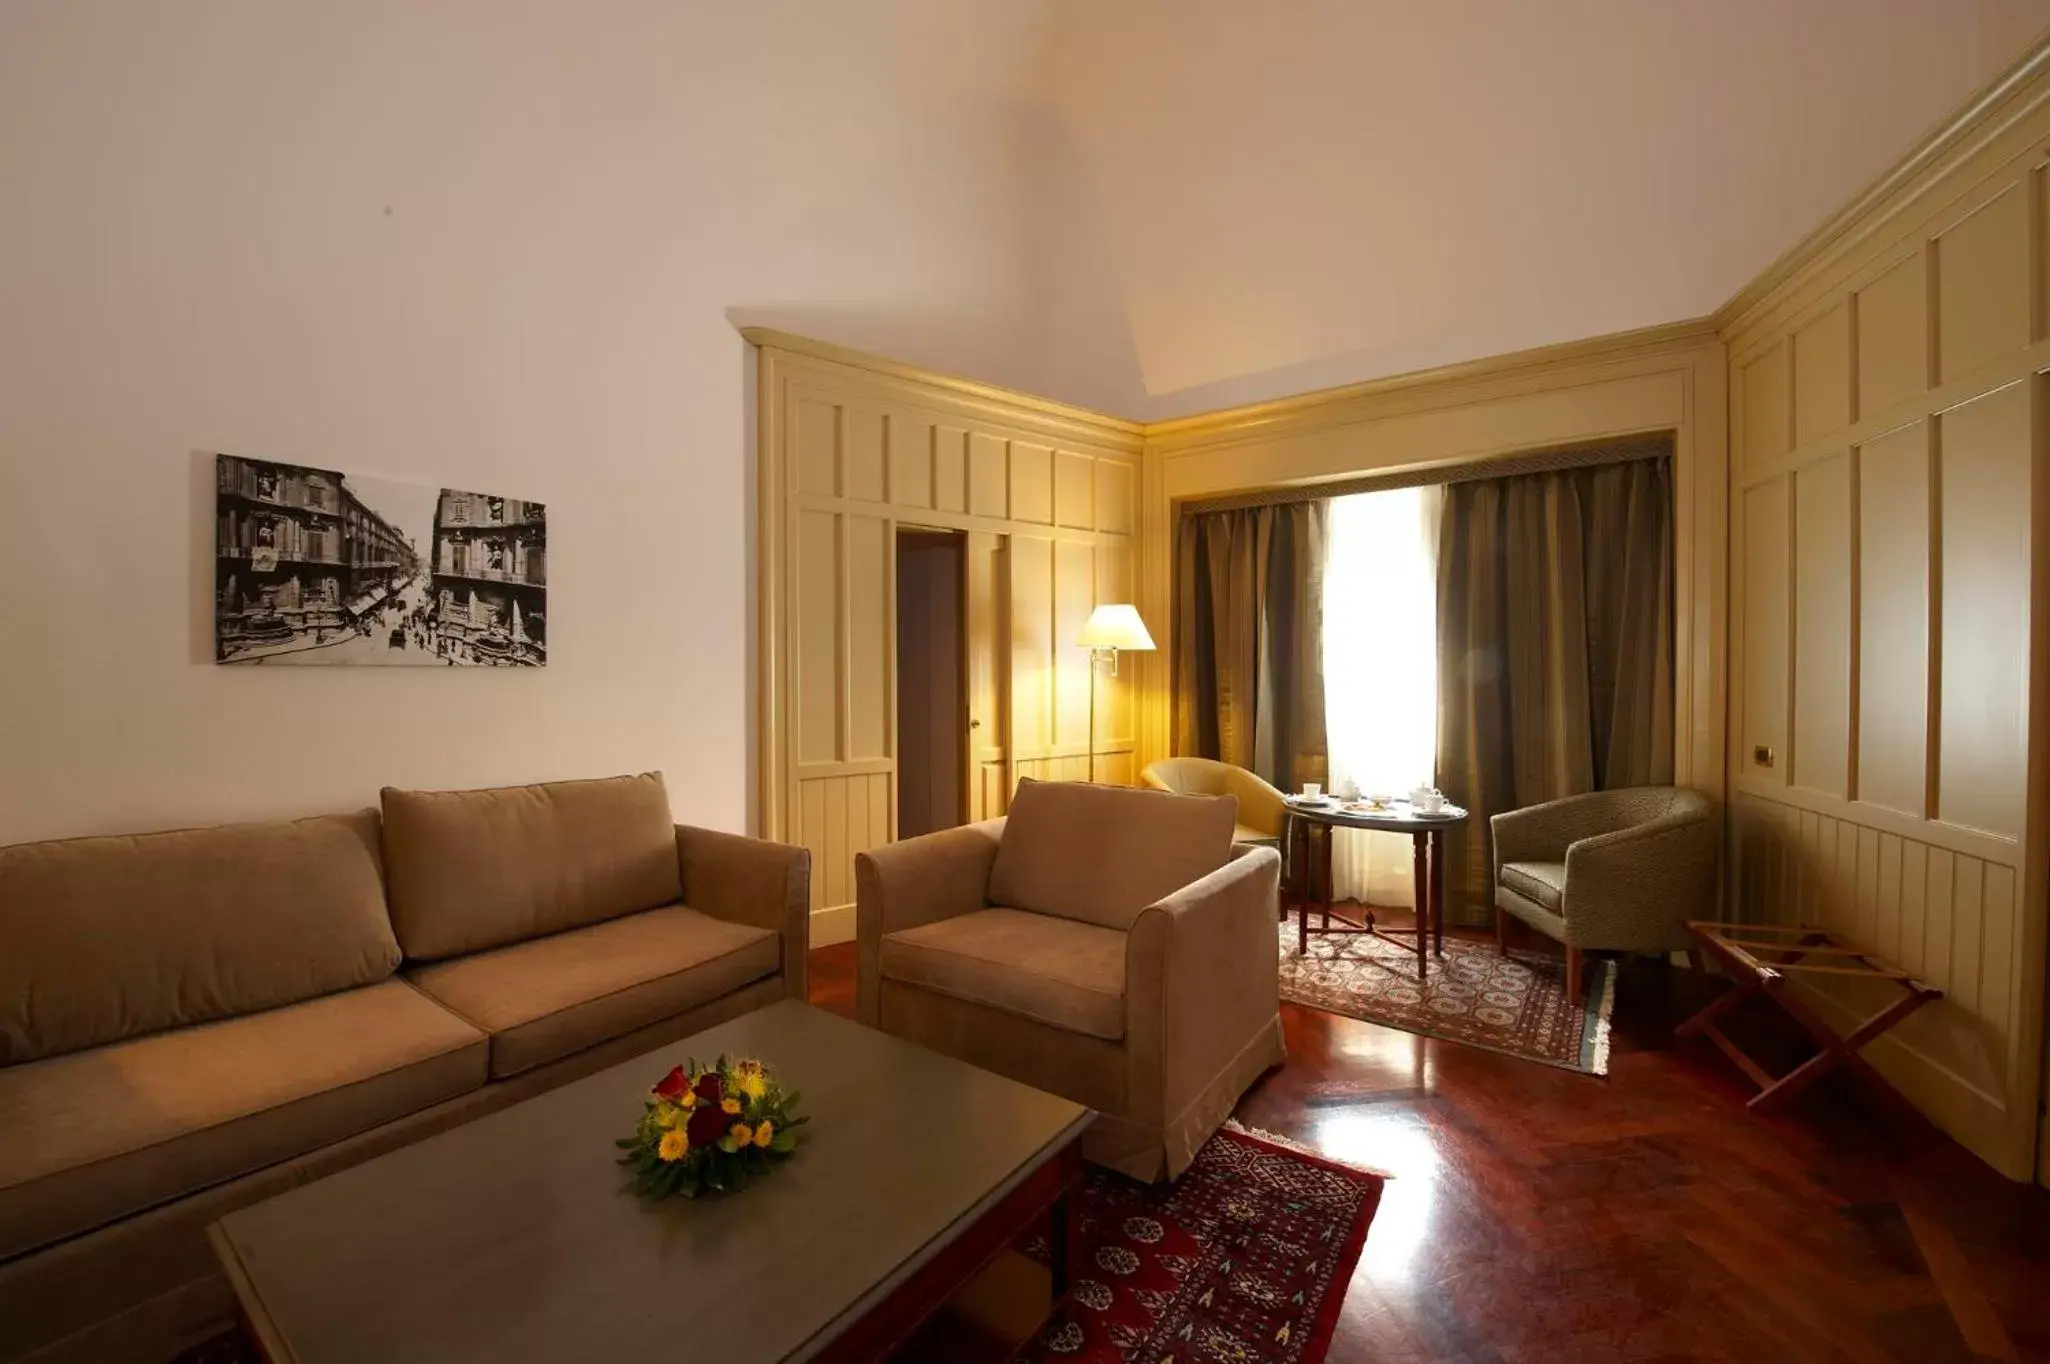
1243, 1260
1515, 1004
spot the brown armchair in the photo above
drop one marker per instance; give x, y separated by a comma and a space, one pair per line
1608, 871
1262, 815
1100, 943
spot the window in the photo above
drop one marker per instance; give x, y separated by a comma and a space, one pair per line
1381, 672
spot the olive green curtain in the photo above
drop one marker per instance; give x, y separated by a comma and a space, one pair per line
1249, 640
1555, 647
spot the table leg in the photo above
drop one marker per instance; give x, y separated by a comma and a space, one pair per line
1302, 903
1057, 1247
1438, 891
1420, 877
1325, 886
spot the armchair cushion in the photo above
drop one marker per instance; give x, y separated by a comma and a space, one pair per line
1056, 971
1102, 854
1542, 883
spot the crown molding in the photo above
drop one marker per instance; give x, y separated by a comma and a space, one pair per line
1122, 431
1952, 141
1333, 404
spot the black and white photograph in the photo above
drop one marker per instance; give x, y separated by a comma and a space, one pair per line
315, 566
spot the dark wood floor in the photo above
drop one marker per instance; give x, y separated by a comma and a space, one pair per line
1539, 1215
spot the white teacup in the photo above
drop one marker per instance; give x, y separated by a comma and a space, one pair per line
1429, 802
1313, 790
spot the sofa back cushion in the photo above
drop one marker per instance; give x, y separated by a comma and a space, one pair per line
106, 938
1101, 854
476, 869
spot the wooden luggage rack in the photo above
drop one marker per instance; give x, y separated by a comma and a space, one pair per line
1761, 958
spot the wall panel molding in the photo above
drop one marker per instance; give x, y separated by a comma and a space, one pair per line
1915, 395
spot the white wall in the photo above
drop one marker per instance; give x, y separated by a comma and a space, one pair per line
492, 243
1304, 193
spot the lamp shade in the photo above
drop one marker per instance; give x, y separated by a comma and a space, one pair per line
1116, 625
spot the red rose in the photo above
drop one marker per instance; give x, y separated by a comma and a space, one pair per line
707, 1125
708, 1088
673, 1084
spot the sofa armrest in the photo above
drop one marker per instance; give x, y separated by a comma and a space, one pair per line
752, 881
1202, 977
1636, 888
918, 881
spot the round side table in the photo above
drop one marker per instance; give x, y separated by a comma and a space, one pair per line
1307, 839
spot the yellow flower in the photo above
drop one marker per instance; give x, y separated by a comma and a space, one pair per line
741, 1134
730, 1107
686, 1101
752, 1083
766, 1133
675, 1145
668, 1115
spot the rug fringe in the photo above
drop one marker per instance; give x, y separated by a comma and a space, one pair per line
1291, 1143
1599, 1062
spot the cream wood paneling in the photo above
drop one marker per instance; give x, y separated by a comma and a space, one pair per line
1115, 484
989, 476
911, 461
1032, 647
1822, 376
1822, 626
1768, 405
1893, 335
1074, 595
1939, 856
850, 449
1031, 483
862, 475
1669, 380
1985, 454
867, 652
1893, 620
1074, 490
817, 622
1982, 284
1765, 556
1952, 918
988, 666
950, 469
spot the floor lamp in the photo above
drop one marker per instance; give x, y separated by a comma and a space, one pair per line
1111, 629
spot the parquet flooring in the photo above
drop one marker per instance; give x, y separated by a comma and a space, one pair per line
1539, 1215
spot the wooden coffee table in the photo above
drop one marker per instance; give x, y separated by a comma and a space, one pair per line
512, 1238
1309, 871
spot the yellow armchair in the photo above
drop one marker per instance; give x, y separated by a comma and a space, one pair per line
1261, 812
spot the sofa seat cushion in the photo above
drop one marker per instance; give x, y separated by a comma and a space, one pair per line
1246, 833
472, 870
548, 997
1059, 972
1103, 854
95, 1135
1541, 883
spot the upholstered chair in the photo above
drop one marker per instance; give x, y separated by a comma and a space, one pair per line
1262, 816
1609, 871
1106, 944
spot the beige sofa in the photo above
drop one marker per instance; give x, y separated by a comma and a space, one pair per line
1104, 944
193, 1021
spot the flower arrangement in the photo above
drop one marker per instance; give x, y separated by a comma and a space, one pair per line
711, 1128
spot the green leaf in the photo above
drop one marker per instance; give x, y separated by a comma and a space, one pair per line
784, 1142
627, 1143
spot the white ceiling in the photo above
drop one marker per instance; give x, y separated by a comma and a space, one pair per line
1246, 200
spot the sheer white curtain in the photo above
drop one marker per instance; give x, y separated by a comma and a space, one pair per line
1381, 672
